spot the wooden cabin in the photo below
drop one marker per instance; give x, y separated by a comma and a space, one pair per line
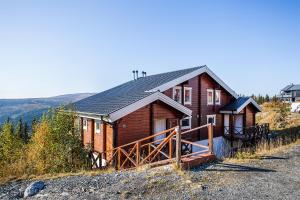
150, 104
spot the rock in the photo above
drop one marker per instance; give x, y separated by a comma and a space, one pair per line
34, 188
204, 187
65, 194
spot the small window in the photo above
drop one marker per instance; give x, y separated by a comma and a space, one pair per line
177, 94
85, 124
210, 97
211, 119
187, 96
98, 127
218, 97
186, 123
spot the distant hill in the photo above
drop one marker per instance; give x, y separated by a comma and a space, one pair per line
32, 108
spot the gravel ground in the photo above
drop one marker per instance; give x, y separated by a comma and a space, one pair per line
274, 176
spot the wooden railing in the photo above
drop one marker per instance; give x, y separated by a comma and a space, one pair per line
153, 151
247, 133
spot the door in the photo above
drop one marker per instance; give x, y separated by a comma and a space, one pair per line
238, 124
159, 126
226, 124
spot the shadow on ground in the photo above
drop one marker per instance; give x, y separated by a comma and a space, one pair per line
225, 167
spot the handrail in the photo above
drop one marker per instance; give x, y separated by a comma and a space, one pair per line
150, 151
146, 138
195, 129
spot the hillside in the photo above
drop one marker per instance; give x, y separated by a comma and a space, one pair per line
34, 107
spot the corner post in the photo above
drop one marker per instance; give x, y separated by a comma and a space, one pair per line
178, 146
138, 148
210, 139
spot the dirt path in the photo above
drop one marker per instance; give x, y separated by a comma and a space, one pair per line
275, 176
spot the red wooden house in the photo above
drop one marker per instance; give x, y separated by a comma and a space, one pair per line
150, 104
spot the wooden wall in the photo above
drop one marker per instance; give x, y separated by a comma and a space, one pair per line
199, 106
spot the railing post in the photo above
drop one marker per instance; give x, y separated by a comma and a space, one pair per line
138, 148
119, 158
171, 148
178, 146
210, 139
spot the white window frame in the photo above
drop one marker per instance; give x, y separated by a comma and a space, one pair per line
212, 92
212, 116
180, 93
98, 131
190, 123
190, 101
85, 127
218, 91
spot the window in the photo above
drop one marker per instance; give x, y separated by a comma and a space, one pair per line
98, 127
218, 97
187, 96
210, 97
186, 123
177, 94
85, 124
211, 119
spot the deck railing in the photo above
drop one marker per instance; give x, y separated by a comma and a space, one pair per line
152, 151
247, 133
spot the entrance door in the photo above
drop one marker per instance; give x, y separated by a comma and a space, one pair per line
159, 126
226, 124
238, 124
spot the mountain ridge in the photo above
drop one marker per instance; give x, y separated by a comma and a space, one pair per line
30, 108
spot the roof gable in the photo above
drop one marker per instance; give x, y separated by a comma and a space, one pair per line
191, 75
239, 104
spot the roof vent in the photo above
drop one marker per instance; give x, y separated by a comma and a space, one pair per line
135, 74
144, 74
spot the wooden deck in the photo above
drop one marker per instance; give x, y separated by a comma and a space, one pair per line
149, 151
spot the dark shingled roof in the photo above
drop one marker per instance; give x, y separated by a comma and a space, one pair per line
123, 95
291, 88
236, 104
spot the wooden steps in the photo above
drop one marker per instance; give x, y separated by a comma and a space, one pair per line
194, 161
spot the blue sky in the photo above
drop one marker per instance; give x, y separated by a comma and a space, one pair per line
52, 47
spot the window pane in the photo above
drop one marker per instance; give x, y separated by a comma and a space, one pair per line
97, 125
185, 122
177, 95
218, 98
210, 97
187, 96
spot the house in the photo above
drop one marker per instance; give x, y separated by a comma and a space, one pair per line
291, 94
144, 106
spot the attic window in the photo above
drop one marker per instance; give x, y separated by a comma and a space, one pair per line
210, 97
187, 96
218, 97
177, 94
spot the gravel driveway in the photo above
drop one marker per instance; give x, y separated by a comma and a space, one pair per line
274, 176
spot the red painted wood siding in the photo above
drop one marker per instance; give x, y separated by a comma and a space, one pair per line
87, 134
250, 116
137, 125
134, 126
199, 106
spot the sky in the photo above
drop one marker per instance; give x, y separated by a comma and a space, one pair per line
49, 48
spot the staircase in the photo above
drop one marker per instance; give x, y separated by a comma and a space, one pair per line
152, 152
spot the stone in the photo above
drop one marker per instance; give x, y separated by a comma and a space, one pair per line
34, 188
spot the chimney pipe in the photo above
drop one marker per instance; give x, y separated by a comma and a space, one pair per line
137, 74
133, 74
